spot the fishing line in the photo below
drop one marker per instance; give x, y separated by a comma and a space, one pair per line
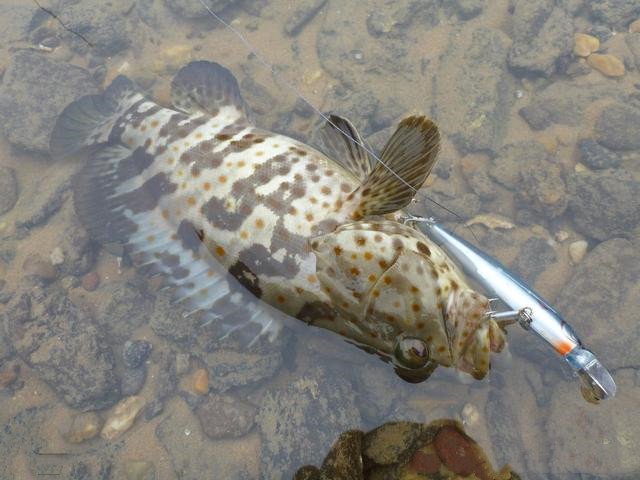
299, 94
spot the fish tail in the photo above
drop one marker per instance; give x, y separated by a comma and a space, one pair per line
89, 120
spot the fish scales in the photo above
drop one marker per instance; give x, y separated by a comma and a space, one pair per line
222, 208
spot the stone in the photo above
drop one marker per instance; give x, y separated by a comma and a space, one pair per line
63, 346
39, 268
140, 470
126, 308
136, 352
8, 375
18, 19
391, 18
607, 433
615, 13
133, 380
533, 258
506, 167
607, 64
154, 408
90, 281
468, 9
299, 422
302, 14
472, 90
542, 35
344, 460
542, 189
388, 443
81, 427
597, 157
122, 417
201, 381
34, 91
577, 250
377, 392
8, 189
225, 416
616, 127
584, 45
601, 301
634, 27
228, 369
605, 203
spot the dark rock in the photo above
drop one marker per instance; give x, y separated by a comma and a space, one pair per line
154, 408
534, 257
135, 352
354, 59
615, 13
542, 34
104, 26
344, 460
597, 157
604, 204
560, 103
301, 421
472, 90
80, 471
127, 308
166, 380
34, 91
167, 320
228, 368
601, 32
617, 127
302, 14
377, 391
8, 189
133, 380
633, 42
542, 189
481, 184
225, 416
467, 9
394, 17
601, 301
63, 347
506, 167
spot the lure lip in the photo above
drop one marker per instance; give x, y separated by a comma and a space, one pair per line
530, 310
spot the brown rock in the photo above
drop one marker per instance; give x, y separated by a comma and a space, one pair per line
459, 453
7, 377
90, 281
634, 27
584, 45
81, 427
38, 267
201, 381
606, 64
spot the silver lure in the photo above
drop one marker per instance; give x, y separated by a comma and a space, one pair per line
527, 307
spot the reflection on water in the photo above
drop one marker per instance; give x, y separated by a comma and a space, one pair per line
102, 377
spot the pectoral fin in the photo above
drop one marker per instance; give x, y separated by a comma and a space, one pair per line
342, 142
406, 161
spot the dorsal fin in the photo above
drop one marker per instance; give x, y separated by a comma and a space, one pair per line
337, 137
410, 154
206, 87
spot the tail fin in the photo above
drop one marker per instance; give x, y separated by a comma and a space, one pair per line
89, 120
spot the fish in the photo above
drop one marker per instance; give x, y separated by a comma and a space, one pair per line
245, 223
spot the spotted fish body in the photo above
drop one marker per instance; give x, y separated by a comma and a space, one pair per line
225, 209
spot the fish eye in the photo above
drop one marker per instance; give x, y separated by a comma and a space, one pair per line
410, 352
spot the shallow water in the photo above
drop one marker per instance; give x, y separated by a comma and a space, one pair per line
532, 134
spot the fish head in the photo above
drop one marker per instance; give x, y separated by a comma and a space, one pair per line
396, 291
472, 333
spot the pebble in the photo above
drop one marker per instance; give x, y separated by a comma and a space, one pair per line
201, 381
81, 427
584, 45
577, 251
596, 156
470, 415
606, 64
183, 361
36, 266
634, 27
561, 235
122, 418
90, 281
135, 352
140, 470
56, 256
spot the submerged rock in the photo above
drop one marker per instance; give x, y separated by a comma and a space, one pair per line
604, 204
617, 127
34, 91
472, 90
135, 352
607, 64
225, 416
301, 421
303, 13
615, 13
81, 427
122, 417
595, 156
